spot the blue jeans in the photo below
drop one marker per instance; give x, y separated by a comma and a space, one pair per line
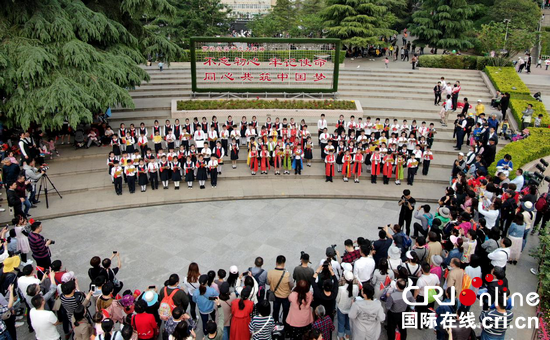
5, 335
26, 205
226, 333
486, 336
343, 324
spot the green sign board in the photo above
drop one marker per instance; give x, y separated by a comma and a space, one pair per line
259, 65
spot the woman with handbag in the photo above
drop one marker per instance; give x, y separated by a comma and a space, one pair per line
262, 325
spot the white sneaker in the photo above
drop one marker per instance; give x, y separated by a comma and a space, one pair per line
19, 324
2, 209
28, 262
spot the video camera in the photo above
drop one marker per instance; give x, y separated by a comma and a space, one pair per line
536, 177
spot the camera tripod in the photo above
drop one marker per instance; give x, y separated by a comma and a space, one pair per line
44, 184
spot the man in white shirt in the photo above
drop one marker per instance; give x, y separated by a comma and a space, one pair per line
43, 321
363, 268
427, 279
499, 257
27, 279
519, 181
490, 215
322, 124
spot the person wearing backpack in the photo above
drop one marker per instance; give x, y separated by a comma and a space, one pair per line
108, 334
260, 275
426, 220
399, 238
110, 273
171, 296
543, 212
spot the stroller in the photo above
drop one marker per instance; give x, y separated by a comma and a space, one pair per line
538, 96
79, 138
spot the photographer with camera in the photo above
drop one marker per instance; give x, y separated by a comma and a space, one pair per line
33, 175
40, 247
333, 257
406, 203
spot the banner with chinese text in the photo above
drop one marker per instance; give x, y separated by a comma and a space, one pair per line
265, 65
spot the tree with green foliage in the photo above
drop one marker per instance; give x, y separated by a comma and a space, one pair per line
309, 23
492, 37
281, 20
443, 24
192, 18
70, 58
359, 23
523, 14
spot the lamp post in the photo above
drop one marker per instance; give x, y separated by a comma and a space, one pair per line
507, 21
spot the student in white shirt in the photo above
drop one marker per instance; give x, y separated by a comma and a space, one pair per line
499, 257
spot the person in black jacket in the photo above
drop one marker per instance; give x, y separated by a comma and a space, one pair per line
10, 171
14, 200
325, 292
490, 152
504, 102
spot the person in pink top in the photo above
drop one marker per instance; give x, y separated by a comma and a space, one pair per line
437, 260
299, 316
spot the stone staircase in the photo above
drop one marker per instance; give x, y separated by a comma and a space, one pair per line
81, 175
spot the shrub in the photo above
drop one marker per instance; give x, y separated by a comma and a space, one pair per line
506, 79
464, 62
526, 150
519, 103
266, 104
262, 56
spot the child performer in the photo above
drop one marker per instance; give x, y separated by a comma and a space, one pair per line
387, 167
201, 171
115, 143
412, 167
346, 169
142, 175
253, 160
157, 140
297, 164
277, 160
130, 172
224, 135
142, 143
185, 138
357, 164
116, 177
111, 161
308, 151
234, 151
330, 160
170, 139
213, 167
427, 157
376, 161
164, 169
176, 173
287, 160
189, 168
219, 152
264, 156
340, 151
399, 171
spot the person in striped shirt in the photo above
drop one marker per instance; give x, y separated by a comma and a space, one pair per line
262, 325
40, 247
496, 321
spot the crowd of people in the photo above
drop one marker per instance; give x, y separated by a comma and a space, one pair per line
479, 227
197, 150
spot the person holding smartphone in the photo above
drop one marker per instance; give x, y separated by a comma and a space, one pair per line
110, 273
205, 301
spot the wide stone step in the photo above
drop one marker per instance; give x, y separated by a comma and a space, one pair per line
84, 202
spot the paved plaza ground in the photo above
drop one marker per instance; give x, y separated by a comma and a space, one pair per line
156, 241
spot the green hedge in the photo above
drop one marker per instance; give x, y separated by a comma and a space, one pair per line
518, 104
526, 150
263, 56
236, 104
506, 79
462, 62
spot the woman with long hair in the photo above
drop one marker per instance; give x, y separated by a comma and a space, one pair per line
299, 316
182, 332
241, 310
382, 277
249, 281
202, 298
191, 282
211, 277
233, 279
515, 234
346, 293
108, 334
